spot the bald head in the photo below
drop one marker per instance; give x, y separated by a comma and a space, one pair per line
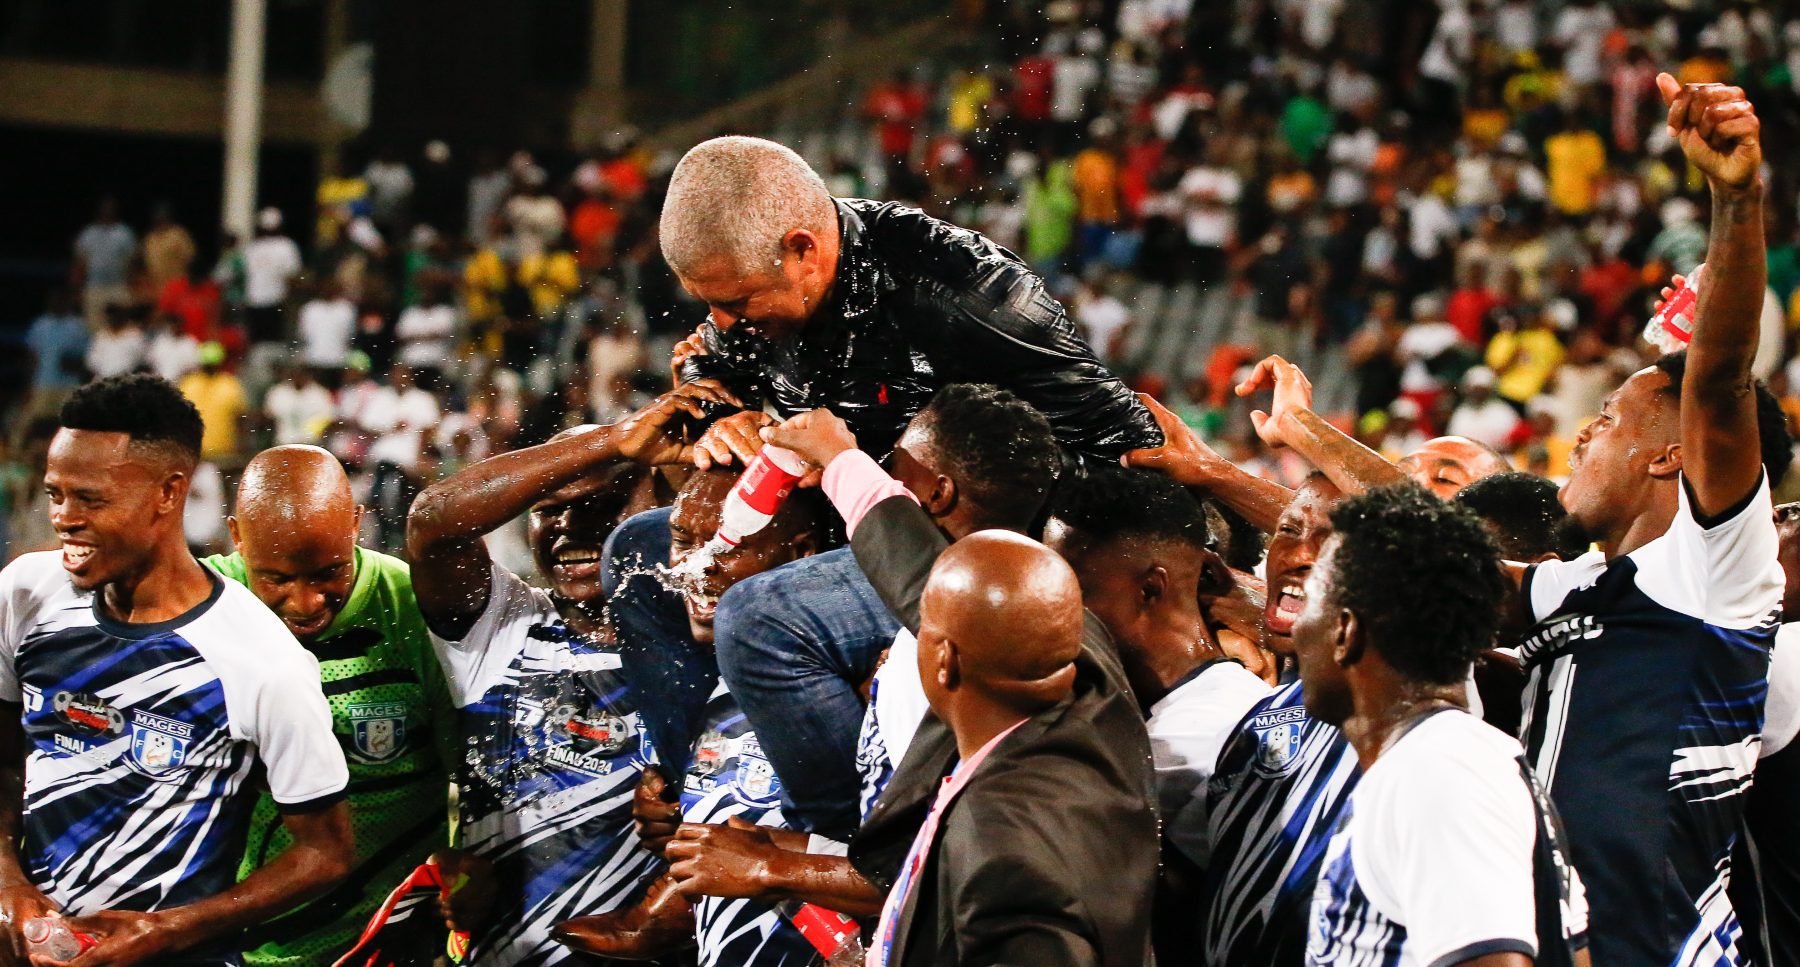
732, 200
1000, 623
295, 528
1447, 464
291, 487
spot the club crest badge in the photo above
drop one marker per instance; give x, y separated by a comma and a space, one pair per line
756, 782
1278, 736
378, 730
159, 746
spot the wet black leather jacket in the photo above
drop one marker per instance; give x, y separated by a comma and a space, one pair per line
919, 304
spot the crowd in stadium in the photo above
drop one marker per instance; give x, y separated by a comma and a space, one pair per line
1235, 518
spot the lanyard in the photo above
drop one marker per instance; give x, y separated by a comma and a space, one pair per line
921, 848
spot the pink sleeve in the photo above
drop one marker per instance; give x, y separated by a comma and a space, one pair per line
855, 483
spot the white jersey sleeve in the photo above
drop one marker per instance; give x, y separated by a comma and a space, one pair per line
1723, 571
1447, 845
1549, 582
1188, 729
479, 658
1781, 716
276, 703
19, 594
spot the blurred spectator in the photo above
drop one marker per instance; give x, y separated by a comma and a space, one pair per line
1525, 358
271, 260
1576, 160
168, 249
192, 300
58, 342
390, 190
220, 398
103, 253
426, 333
171, 352
1104, 320
1481, 416
327, 324
299, 407
119, 346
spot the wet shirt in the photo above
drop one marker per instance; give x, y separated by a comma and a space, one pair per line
1643, 718
730, 777
141, 740
552, 748
394, 721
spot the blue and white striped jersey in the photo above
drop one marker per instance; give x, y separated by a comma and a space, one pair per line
729, 776
1643, 718
896, 706
140, 739
554, 748
1271, 805
1445, 853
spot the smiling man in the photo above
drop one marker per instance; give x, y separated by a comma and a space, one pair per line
142, 693
556, 732
353, 608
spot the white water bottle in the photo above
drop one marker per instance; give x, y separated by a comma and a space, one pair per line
758, 494
51, 938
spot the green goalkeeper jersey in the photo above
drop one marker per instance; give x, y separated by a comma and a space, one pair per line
395, 720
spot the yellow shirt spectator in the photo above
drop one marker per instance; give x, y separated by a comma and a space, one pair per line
1576, 159
1524, 361
220, 399
550, 278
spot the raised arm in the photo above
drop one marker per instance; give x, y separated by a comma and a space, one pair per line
1291, 422
1190, 462
1721, 455
446, 524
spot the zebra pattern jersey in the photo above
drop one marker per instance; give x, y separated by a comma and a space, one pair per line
730, 777
140, 739
553, 749
1643, 718
1271, 804
1446, 852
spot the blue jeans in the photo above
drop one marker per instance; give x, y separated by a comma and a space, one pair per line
672, 675
795, 644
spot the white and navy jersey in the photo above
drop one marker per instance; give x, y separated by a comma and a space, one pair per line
1446, 853
1643, 715
1271, 805
554, 747
140, 737
1188, 729
896, 706
1765, 881
729, 776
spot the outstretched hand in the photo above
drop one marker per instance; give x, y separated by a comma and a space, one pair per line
1293, 395
1717, 129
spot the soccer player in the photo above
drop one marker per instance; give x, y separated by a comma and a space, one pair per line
152, 690
1141, 549
1283, 776
1649, 664
353, 608
554, 735
1766, 890
1447, 852
729, 783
